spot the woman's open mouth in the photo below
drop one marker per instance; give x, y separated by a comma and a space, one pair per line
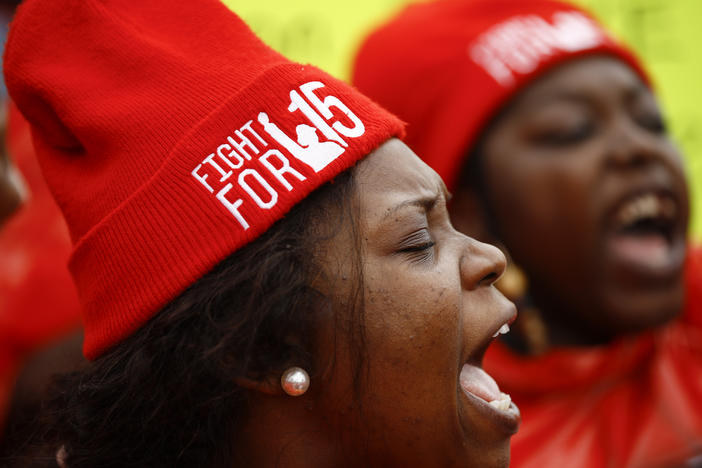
479, 383
645, 236
483, 392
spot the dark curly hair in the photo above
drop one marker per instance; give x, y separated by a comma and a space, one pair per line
165, 396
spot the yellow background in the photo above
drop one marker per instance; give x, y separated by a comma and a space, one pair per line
665, 33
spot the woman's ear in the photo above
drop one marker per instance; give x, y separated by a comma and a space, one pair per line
468, 215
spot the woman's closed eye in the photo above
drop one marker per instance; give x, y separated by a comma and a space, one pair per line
562, 135
417, 246
653, 122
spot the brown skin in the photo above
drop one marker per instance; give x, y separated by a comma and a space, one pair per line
557, 163
429, 306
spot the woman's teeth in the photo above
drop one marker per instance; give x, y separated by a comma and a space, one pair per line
504, 329
503, 403
476, 381
479, 383
646, 206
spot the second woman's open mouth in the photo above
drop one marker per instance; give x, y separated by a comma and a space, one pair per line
645, 237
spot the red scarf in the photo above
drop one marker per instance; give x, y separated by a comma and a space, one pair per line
636, 403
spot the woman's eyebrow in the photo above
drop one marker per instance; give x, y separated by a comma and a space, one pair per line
636, 91
573, 96
425, 203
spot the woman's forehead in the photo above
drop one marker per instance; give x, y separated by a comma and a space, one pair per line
578, 79
394, 172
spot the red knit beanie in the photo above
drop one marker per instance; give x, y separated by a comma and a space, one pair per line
170, 137
447, 67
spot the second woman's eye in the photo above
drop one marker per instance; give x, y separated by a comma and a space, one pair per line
652, 121
562, 135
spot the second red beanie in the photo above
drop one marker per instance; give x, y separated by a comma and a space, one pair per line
447, 67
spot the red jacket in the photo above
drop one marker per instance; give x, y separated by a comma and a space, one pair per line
636, 403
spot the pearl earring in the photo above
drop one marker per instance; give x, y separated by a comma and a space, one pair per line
295, 381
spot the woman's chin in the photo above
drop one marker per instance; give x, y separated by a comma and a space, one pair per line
487, 408
487, 422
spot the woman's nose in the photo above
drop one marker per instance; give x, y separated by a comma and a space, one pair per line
481, 264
